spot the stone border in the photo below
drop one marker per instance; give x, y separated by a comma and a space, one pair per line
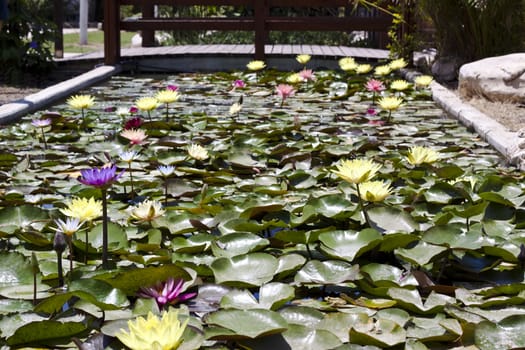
510, 145
13, 111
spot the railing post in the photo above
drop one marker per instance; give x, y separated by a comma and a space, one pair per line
111, 32
148, 12
262, 12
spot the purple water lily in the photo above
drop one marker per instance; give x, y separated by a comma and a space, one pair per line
100, 177
168, 292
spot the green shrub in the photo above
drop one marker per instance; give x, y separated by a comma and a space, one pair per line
24, 40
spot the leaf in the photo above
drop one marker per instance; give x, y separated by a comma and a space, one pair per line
390, 219
302, 337
349, 245
247, 323
411, 300
237, 244
248, 270
421, 254
382, 332
45, 332
509, 333
327, 272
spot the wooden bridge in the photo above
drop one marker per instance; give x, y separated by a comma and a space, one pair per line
260, 21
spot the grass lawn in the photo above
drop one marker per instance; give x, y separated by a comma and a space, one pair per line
95, 41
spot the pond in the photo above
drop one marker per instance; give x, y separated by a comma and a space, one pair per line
260, 210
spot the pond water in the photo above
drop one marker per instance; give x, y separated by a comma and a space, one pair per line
260, 221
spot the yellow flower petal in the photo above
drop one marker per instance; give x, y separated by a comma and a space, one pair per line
357, 170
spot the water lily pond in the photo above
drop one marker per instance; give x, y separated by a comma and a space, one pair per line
260, 210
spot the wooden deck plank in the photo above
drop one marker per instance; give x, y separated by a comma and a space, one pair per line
243, 49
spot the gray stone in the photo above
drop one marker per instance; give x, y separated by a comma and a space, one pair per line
498, 78
445, 69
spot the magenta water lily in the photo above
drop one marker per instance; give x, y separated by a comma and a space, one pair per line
168, 292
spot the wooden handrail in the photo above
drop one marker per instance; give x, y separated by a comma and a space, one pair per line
261, 23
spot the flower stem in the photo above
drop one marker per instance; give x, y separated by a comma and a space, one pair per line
104, 230
59, 269
70, 247
165, 192
362, 206
167, 116
131, 180
44, 138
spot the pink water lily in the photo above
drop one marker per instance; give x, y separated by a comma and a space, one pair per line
374, 86
284, 91
168, 292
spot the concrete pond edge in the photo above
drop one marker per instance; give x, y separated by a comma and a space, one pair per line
510, 145
13, 111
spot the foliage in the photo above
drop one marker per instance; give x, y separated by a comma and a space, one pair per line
275, 244
25, 38
474, 29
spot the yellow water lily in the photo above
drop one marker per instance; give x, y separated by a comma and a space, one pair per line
197, 152
399, 85
420, 154
390, 103
356, 171
374, 191
256, 65
84, 209
294, 78
363, 68
398, 64
347, 64
167, 96
423, 80
382, 70
303, 58
147, 103
147, 211
154, 333
81, 101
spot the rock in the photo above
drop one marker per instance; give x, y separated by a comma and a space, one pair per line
498, 78
445, 69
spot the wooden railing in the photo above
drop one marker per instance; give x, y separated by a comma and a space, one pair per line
261, 23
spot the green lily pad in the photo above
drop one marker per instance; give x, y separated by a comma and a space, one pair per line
249, 270
247, 323
349, 245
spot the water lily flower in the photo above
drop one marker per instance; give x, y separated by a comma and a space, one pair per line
357, 170
374, 86
167, 96
420, 154
374, 191
102, 178
84, 209
69, 228
256, 65
133, 123
303, 58
197, 152
135, 136
122, 112
238, 84
42, 124
347, 64
294, 78
166, 171
363, 68
235, 109
390, 103
284, 91
133, 109
307, 75
59, 245
423, 80
81, 102
147, 211
399, 85
129, 157
164, 333
398, 64
382, 70
172, 87
169, 292
147, 104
